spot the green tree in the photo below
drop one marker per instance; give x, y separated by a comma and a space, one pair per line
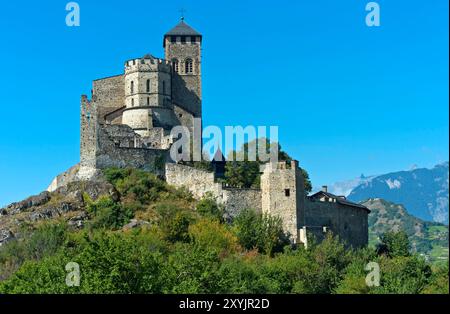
108, 214
208, 207
246, 173
263, 232
394, 244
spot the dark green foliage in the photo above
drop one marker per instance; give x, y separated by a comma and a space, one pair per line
394, 244
208, 207
246, 173
185, 247
42, 242
108, 214
143, 186
173, 221
262, 232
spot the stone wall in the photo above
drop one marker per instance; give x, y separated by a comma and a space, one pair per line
283, 195
109, 94
120, 147
186, 87
88, 137
236, 200
64, 178
198, 182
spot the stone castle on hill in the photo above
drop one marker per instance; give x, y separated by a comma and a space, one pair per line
127, 122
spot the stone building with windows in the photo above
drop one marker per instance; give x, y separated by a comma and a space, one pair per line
127, 122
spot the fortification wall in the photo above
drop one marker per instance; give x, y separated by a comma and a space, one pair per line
64, 178
109, 94
88, 138
198, 182
120, 147
347, 222
236, 200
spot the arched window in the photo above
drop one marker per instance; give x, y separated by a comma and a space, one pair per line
132, 87
164, 87
188, 66
175, 65
148, 86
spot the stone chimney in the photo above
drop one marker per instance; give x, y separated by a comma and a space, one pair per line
324, 188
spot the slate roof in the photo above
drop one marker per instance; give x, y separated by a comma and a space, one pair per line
339, 199
182, 29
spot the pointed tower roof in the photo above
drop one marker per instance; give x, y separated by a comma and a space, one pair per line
218, 156
181, 29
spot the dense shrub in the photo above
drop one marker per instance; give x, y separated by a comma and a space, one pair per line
108, 214
260, 231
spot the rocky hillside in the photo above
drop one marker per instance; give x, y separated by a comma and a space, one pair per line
65, 204
427, 238
424, 192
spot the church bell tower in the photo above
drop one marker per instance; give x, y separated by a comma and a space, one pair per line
182, 46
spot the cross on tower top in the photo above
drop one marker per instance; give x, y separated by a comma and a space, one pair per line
182, 11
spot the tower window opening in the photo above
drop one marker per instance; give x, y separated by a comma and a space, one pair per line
132, 102
183, 39
132, 87
188, 66
148, 86
148, 101
175, 65
173, 39
287, 192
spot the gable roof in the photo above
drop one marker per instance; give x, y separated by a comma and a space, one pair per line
339, 199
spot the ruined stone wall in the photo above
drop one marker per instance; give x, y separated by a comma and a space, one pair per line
120, 147
109, 94
198, 182
236, 200
348, 222
64, 178
88, 137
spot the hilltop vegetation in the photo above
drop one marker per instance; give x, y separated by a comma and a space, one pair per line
140, 235
427, 238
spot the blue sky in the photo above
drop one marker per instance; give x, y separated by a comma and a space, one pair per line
348, 99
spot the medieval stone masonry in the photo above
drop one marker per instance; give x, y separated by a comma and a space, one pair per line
127, 122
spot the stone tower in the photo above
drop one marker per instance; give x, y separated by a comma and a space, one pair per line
147, 92
283, 195
182, 46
